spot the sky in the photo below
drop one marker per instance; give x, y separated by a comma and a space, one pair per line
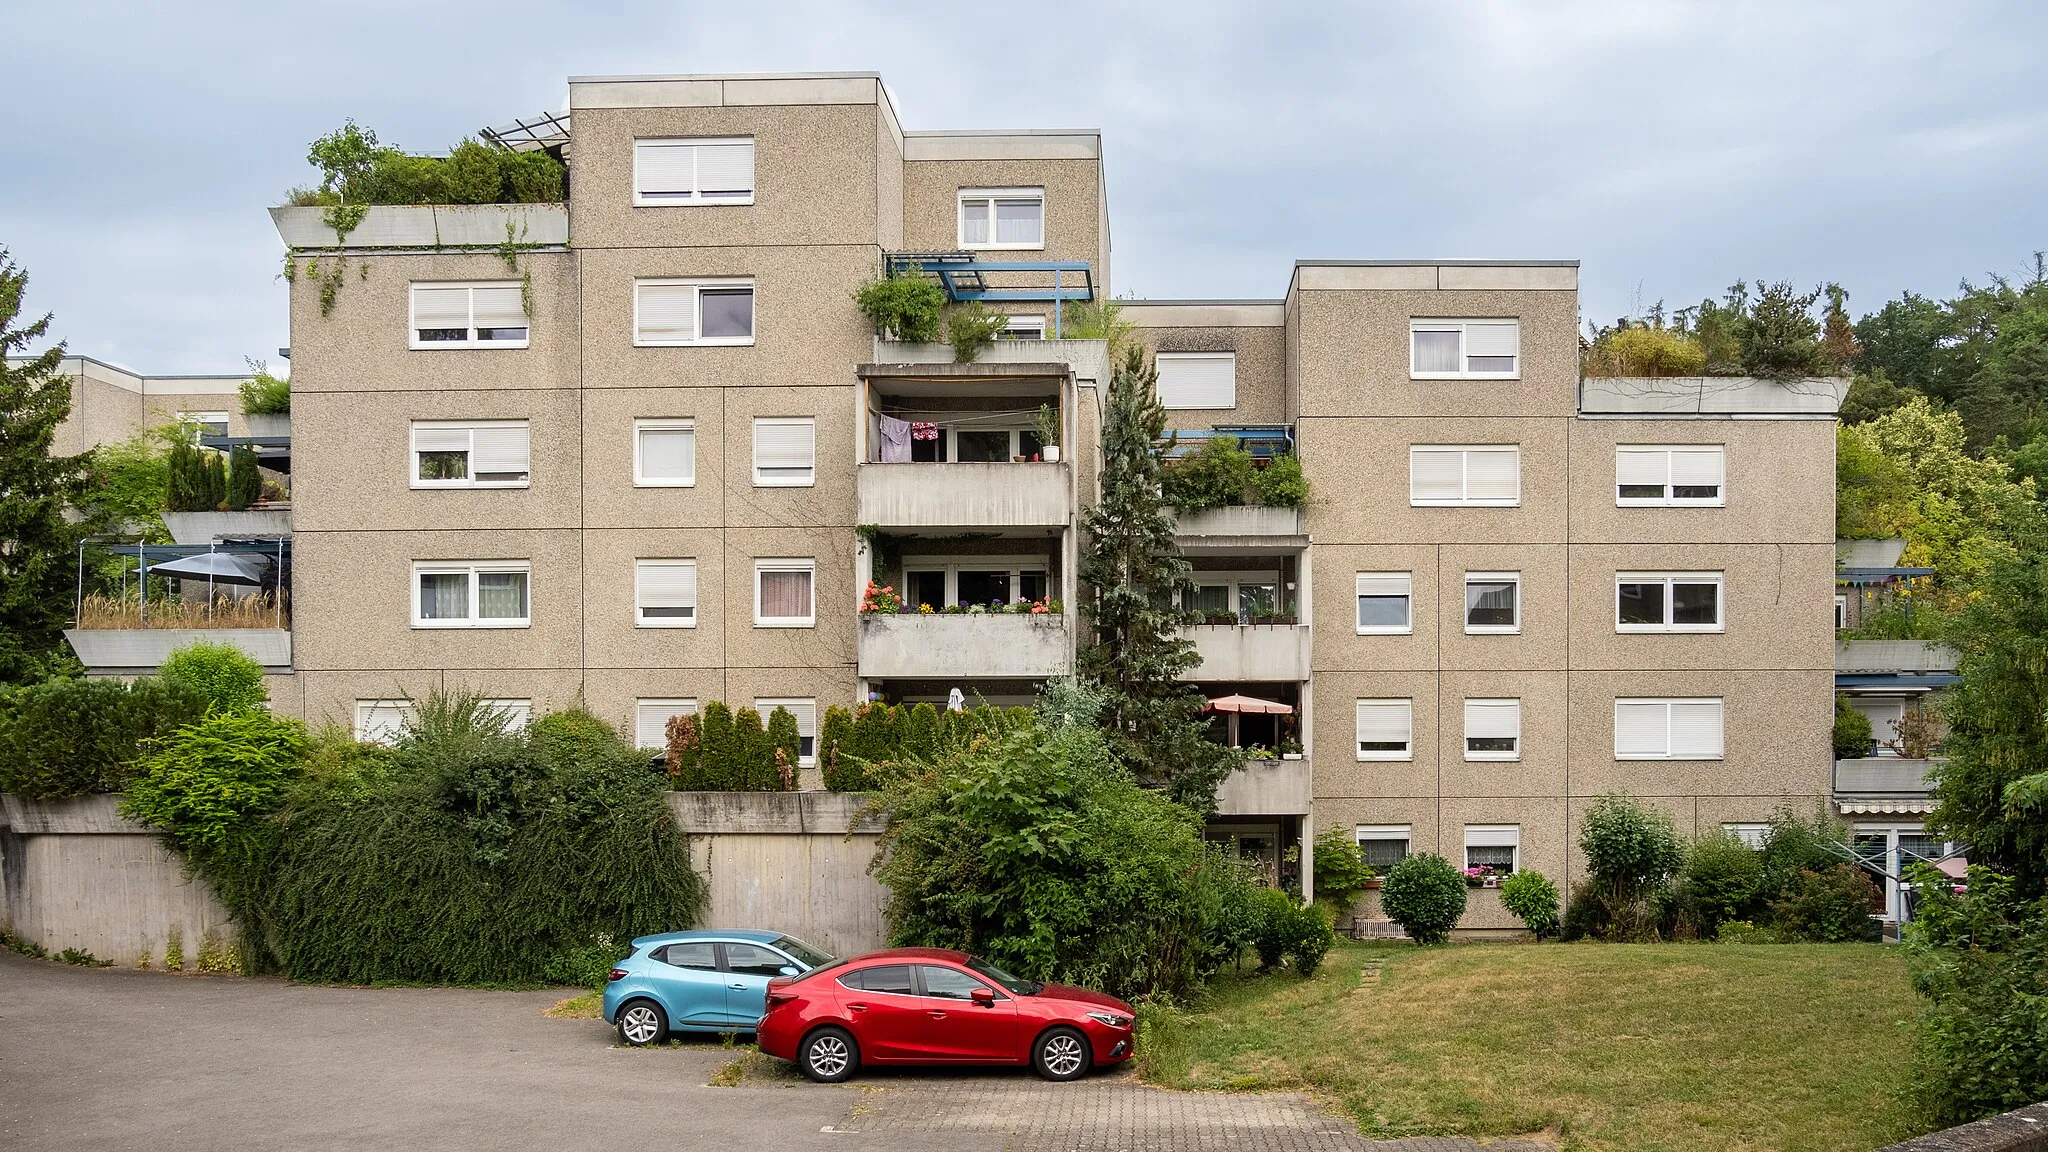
1672, 148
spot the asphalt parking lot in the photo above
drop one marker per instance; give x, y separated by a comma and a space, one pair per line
119, 1059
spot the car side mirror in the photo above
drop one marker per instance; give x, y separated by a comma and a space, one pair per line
984, 997
787, 970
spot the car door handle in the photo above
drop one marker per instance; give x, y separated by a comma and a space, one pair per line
737, 987
936, 1013
858, 1007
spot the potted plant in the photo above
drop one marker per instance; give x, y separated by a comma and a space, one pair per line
1047, 425
880, 600
1290, 749
1258, 752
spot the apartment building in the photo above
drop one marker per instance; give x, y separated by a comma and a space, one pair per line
110, 404
652, 456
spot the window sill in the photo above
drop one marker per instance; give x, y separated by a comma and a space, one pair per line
1039, 247
474, 625
1413, 375
1669, 630
468, 345
1409, 631
760, 623
1492, 630
1515, 503
723, 342
457, 486
639, 483
1386, 758
1680, 759
686, 624
692, 202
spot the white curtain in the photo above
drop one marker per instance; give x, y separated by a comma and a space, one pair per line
501, 595
1436, 351
444, 595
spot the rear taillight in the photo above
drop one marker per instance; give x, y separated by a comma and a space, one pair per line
615, 974
780, 996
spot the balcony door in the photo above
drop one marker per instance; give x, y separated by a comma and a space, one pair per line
942, 581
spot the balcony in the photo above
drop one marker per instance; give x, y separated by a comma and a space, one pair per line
965, 646
1266, 788
1710, 396
141, 651
965, 496
1882, 785
208, 527
1241, 526
1911, 657
1088, 360
1240, 652
429, 226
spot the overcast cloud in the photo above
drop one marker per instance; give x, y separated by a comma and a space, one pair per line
1673, 148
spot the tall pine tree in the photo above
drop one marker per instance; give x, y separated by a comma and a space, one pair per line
38, 546
1136, 575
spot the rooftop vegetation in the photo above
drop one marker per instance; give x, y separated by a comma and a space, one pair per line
356, 169
1771, 335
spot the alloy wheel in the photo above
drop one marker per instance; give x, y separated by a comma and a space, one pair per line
640, 1025
1062, 1055
829, 1055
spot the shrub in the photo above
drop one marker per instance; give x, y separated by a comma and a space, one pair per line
906, 307
356, 170
1533, 899
1833, 906
1307, 936
1745, 932
1781, 339
786, 744
1852, 731
1644, 350
832, 733
1793, 846
1272, 910
532, 177
1981, 959
1281, 483
264, 394
226, 676
1216, 474
211, 779
1722, 880
972, 327
63, 738
921, 731
245, 480
718, 751
1425, 895
1631, 851
756, 760
1341, 872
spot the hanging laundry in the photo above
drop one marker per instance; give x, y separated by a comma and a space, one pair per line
895, 440
924, 430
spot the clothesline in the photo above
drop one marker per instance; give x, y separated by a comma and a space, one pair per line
974, 417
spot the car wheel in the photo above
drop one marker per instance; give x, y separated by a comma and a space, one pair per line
642, 1022
1061, 1054
829, 1055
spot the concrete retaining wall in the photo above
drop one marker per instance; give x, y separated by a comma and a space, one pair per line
2024, 1130
794, 862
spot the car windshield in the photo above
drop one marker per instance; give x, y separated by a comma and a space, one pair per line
807, 955
1019, 987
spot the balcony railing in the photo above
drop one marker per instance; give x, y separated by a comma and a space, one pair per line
1251, 651
1240, 521
141, 651
1882, 776
965, 495
965, 646
1266, 788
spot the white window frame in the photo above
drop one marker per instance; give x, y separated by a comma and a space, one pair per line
518, 712
1514, 753
1164, 358
1749, 832
1365, 579
1403, 834
1465, 607
471, 427
412, 330
1841, 611
698, 287
473, 569
1667, 579
1014, 328
1465, 479
640, 619
696, 198
664, 424
205, 421
786, 564
988, 197
1718, 500
1507, 836
668, 706
768, 704
1405, 754
1667, 702
1459, 326
809, 480
365, 709
1018, 566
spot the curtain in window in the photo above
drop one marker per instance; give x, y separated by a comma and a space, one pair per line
444, 595
785, 595
974, 221
668, 453
501, 595
1490, 602
1018, 221
1436, 351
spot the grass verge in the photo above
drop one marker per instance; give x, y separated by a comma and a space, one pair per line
584, 1006
1707, 1048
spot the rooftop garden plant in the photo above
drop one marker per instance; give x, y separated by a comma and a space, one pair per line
355, 169
1222, 473
1773, 335
908, 306
264, 394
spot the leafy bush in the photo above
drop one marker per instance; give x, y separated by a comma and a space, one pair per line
1306, 937
1833, 906
1533, 899
1793, 846
1214, 475
226, 676
245, 479
1981, 959
213, 778
1722, 880
1635, 349
1425, 895
1341, 872
1631, 851
1034, 848
906, 307
1281, 483
858, 746
972, 327
1852, 731
264, 394
63, 738
355, 170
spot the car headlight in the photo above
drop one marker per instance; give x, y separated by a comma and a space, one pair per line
1113, 1019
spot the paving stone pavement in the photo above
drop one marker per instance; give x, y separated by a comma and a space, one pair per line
1115, 1113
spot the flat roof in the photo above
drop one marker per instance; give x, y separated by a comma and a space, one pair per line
1460, 262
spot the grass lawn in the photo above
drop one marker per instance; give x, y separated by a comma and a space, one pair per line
1798, 1048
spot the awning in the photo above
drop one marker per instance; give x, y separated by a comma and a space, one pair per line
1878, 806
219, 568
1248, 704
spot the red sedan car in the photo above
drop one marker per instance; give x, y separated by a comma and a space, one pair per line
937, 1006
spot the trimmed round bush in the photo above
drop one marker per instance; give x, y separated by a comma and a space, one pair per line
1307, 937
223, 673
1275, 909
1533, 899
1425, 895
64, 738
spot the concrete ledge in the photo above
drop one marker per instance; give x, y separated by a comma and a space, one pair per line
207, 527
141, 651
1239, 521
993, 646
1088, 360
1273, 652
429, 226
78, 816
1266, 788
774, 813
1893, 775
1710, 396
1894, 656
967, 496
2023, 1130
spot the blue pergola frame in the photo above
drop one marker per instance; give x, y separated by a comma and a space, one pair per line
963, 276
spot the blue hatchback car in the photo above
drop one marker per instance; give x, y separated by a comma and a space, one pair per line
701, 981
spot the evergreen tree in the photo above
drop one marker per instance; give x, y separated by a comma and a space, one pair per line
921, 732
245, 482
718, 747
187, 475
1135, 573
216, 482
786, 743
38, 546
756, 764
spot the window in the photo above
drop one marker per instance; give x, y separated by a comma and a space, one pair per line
1485, 476
665, 593
1231, 598
1023, 328
484, 315
754, 960
664, 453
1677, 729
472, 454
1002, 217
1386, 603
651, 717
208, 423
1385, 729
708, 170
1197, 379
1494, 847
382, 721
696, 955
890, 978
1493, 729
470, 594
941, 581
1753, 835
1493, 603
1383, 845
1841, 611
806, 712
1652, 477
1464, 349
785, 452
949, 983
685, 313
517, 713
782, 594
1885, 715
1667, 602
